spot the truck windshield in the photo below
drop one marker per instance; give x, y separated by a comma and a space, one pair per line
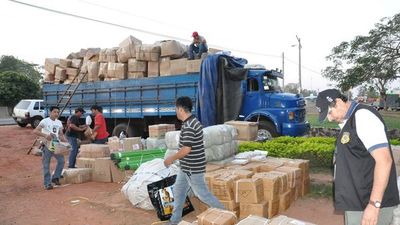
272, 84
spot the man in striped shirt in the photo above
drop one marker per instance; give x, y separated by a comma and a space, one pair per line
192, 159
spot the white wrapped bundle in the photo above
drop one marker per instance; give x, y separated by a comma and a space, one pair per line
152, 143
135, 190
218, 135
172, 139
220, 152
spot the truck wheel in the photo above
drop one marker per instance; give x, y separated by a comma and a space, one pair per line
122, 127
22, 124
35, 122
266, 131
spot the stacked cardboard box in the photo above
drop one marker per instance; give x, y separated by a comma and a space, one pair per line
247, 131
132, 144
284, 220
159, 130
77, 175
249, 194
223, 186
217, 216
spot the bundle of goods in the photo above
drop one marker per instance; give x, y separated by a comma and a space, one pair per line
132, 160
219, 141
136, 191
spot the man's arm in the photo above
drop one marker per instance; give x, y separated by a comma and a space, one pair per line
76, 128
179, 155
38, 132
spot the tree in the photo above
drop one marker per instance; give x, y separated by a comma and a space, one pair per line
14, 87
372, 60
10, 63
291, 88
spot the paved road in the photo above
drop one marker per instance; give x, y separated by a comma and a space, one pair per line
7, 121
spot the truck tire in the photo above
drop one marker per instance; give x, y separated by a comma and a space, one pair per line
123, 126
22, 124
266, 131
35, 121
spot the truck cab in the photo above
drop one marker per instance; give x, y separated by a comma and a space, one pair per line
276, 112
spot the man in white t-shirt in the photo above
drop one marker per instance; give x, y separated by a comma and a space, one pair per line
52, 129
365, 181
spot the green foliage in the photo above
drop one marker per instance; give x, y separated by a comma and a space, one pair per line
395, 141
14, 87
321, 190
10, 63
318, 150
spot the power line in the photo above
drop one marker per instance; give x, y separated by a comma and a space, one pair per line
150, 32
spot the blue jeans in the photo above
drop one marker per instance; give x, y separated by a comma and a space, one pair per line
183, 182
73, 141
46, 157
197, 50
100, 141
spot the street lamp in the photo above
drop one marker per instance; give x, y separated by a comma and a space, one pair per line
299, 45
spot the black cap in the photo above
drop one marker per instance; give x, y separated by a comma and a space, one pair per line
80, 109
324, 100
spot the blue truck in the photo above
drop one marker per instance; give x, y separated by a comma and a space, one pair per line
134, 104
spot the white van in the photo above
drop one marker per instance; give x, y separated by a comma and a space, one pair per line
29, 111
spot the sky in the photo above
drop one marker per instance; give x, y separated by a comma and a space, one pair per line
259, 31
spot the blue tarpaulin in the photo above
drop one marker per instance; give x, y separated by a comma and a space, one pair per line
208, 84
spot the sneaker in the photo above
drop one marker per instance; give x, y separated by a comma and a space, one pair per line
48, 187
56, 181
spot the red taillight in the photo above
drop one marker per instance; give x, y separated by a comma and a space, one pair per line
27, 115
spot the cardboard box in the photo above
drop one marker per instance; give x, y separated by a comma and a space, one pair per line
249, 190
85, 163
273, 208
77, 175
94, 151
103, 70
133, 143
111, 54
305, 188
64, 63
147, 52
178, 66
193, 66
93, 70
184, 223
172, 48
50, 64
271, 185
253, 220
212, 167
136, 75
258, 209
253, 166
209, 177
102, 170
284, 220
117, 70
269, 166
165, 66
198, 205
234, 167
223, 187
159, 130
247, 131
61, 74
127, 49
230, 205
213, 50
114, 144
294, 175
153, 69
242, 174
72, 72
284, 184
137, 66
215, 216
76, 63
117, 175
284, 201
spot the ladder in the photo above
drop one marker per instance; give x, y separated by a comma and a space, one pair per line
69, 92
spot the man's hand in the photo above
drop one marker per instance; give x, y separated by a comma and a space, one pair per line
49, 137
370, 215
168, 162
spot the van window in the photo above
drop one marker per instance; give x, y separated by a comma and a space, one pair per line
252, 84
41, 106
23, 105
36, 106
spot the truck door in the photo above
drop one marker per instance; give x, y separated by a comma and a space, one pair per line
251, 100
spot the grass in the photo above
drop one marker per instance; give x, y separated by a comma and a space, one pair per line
392, 121
321, 190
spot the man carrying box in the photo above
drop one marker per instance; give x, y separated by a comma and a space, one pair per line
192, 159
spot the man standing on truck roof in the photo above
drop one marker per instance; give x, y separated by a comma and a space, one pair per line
100, 127
365, 180
73, 130
51, 129
192, 158
198, 46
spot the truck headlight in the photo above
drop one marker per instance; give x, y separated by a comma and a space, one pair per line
291, 115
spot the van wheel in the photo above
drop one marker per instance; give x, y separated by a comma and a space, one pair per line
123, 127
22, 124
266, 131
35, 122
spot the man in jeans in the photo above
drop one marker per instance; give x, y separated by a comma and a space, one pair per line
51, 129
198, 46
100, 127
73, 129
192, 159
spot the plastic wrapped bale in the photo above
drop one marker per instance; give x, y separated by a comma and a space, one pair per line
135, 190
170, 152
153, 143
218, 135
219, 152
172, 139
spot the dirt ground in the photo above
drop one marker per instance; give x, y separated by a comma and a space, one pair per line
23, 199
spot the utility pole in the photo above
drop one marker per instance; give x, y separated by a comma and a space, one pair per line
300, 87
283, 70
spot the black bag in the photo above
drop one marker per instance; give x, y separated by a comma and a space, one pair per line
162, 198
